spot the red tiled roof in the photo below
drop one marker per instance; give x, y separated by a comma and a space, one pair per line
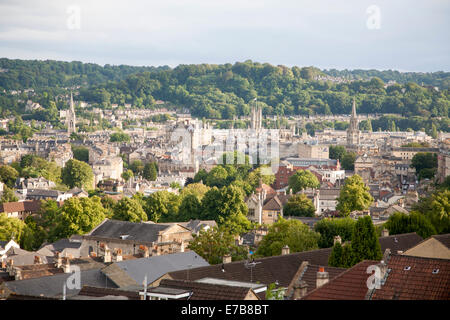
349, 285
417, 283
21, 206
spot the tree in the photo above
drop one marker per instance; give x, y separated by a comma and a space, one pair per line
292, 233
217, 177
77, 174
337, 152
8, 175
198, 189
341, 256
437, 209
128, 209
189, 208
213, 244
329, 228
300, 206
78, 216
354, 195
80, 153
301, 180
365, 244
256, 175
222, 204
127, 175
119, 137
137, 167
8, 195
162, 206
11, 228
150, 172
399, 223
425, 164
348, 161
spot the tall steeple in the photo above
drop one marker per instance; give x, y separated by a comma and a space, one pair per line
353, 136
71, 121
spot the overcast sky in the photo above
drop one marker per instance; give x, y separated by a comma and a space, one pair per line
405, 35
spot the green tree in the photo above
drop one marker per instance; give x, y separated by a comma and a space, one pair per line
197, 189
78, 216
365, 244
255, 176
292, 233
162, 206
119, 137
189, 207
137, 167
213, 244
341, 256
329, 228
128, 209
425, 164
80, 153
348, 161
77, 174
217, 177
8, 175
299, 205
437, 209
150, 172
301, 180
222, 204
337, 152
354, 195
399, 223
8, 195
11, 228
127, 175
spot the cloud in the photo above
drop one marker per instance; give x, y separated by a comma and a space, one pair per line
325, 33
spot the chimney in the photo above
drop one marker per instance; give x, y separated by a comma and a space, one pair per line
107, 256
66, 265
118, 254
385, 232
322, 277
58, 263
285, 250
17, 274
144, 251
226, 258
3, 264
337, 239
37, 260
10, 267
300, 290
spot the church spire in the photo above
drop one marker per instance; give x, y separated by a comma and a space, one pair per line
354, 109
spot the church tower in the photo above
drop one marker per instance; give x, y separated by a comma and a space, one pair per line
70, 118
353, 134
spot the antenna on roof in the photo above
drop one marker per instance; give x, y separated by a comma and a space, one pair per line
251, 265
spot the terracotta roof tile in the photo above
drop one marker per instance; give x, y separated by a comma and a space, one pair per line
417, 283
349, 285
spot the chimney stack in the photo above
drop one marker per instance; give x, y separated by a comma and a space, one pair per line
285, 250
66, 265
337, 239
226, 258
300, 290
385, 232
118, 254
37, 260
107, 256
144, 251
322, 277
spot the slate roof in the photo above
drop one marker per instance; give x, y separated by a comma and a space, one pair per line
444, 239
417, 283
207, 291
273, 204
52, 286
113, 229
399, 242
62, 244
127, 272
39, 270
349, 285
197, 225
267, 270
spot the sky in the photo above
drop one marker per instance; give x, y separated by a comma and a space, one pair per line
404, 35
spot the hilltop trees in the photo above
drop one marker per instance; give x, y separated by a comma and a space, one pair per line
129, 209
299, 205
425, 164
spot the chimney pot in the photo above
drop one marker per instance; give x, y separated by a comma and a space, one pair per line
285, 250
322, 277
385, 232
337, 239
227, 258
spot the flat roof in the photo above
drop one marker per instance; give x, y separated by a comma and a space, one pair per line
257, 287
